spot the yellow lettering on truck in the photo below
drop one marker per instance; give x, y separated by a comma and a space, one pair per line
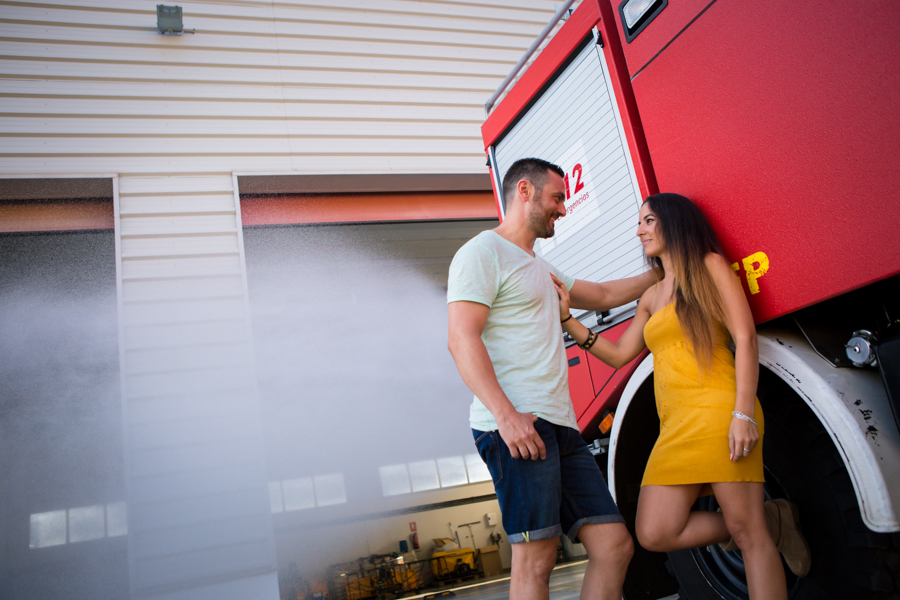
753, 271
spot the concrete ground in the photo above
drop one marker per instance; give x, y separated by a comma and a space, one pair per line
565, 584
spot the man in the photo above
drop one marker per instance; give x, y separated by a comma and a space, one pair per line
505, 338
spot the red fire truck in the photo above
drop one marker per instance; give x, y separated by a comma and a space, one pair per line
781, 120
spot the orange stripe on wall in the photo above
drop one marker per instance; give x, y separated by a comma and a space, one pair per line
362, 208
74, 215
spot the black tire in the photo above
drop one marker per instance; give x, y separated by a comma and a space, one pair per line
802, 464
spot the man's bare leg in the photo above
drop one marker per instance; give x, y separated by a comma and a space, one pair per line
532, 563
610, 548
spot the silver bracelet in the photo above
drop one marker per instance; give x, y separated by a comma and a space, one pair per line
743, 417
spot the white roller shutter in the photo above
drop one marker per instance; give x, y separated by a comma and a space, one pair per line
575, 123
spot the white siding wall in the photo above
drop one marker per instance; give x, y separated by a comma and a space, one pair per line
197, 504
310, 86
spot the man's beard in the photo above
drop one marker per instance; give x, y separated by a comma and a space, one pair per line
539, 224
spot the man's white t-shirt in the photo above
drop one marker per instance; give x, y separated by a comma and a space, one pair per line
523, 336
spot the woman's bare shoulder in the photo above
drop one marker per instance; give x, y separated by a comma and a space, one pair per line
723, 275
716, 262
719, 267
645, 302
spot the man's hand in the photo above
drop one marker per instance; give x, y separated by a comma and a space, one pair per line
517, 430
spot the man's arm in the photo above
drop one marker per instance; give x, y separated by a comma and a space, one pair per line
587, 295
466, 324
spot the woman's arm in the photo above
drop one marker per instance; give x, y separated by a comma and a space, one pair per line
618, 354
739, 321
590, 295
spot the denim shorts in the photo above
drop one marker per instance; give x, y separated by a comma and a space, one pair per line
542, 499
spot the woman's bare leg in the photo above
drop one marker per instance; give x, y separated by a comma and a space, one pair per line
665, 521
742, 507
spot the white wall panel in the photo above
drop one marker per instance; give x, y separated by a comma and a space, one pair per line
225, 74
185, 311
306, 162
180, 246
174, 512
181, 358
46, 51
350, 109
151, 291
243, 35
275, 94
177, 224
193, 334
212, 16
256, 146
196, 479
302, 86
381, 69
180, 203
159, 186
164, 384
194, 406
189, 486
148, 361
239, 128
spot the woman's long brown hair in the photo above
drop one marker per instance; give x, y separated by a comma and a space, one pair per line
688, 239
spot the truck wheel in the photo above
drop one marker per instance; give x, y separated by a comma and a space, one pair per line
803, 465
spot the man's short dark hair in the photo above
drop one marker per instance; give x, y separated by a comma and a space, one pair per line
533, 170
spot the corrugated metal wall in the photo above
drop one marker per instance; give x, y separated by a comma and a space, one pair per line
315, 86
312, 86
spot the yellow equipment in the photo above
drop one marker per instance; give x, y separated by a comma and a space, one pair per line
453, 562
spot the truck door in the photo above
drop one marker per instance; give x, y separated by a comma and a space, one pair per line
575, 121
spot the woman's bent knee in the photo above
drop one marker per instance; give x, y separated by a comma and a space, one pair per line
652, 538
748, 534
748, 539
653, 543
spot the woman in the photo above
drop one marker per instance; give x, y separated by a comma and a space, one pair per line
711, 423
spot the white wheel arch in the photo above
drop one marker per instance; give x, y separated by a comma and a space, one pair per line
850, 403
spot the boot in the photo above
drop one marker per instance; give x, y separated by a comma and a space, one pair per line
781, 520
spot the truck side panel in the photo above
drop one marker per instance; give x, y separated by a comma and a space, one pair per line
785, 132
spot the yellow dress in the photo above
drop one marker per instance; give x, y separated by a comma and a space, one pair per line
694, 411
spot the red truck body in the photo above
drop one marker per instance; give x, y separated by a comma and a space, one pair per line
779, 120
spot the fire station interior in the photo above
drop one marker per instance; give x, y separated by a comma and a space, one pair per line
374, 483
